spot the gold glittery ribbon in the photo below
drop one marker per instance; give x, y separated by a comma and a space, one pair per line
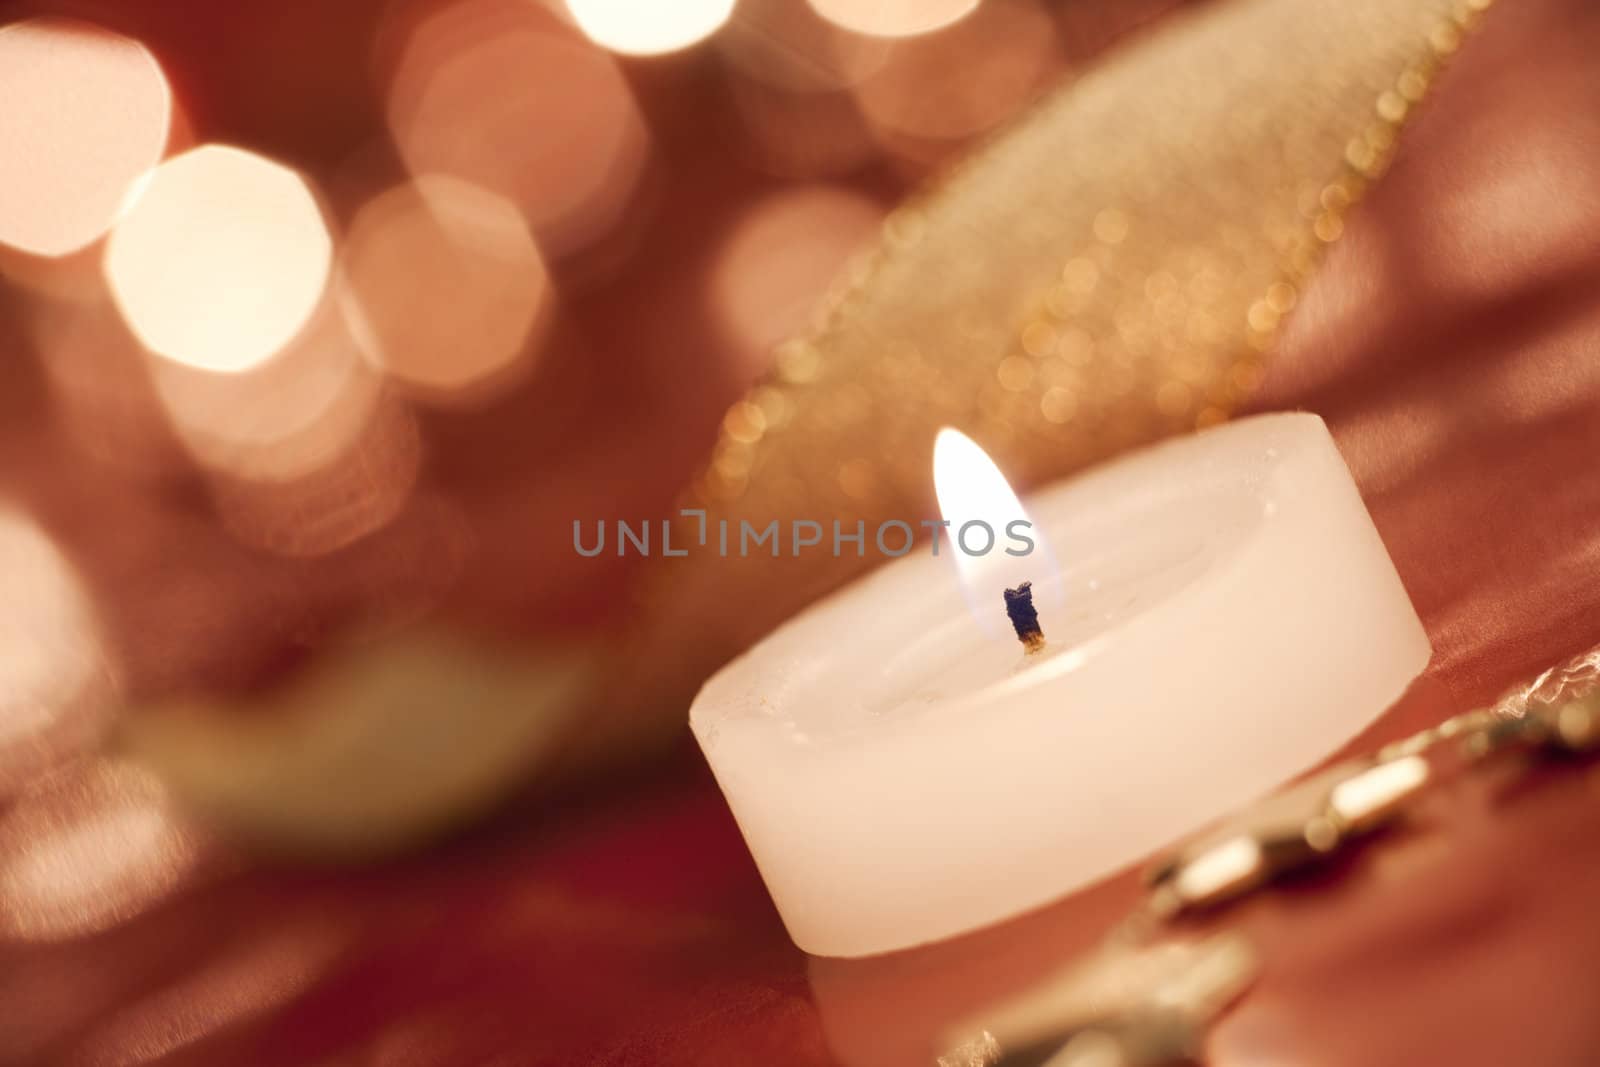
1109, 271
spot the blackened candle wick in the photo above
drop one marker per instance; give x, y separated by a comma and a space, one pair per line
1024, 619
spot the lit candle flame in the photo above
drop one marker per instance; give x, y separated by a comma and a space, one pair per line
990, 536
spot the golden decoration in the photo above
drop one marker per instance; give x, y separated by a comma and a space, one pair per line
1298, 827
1288, 832
1568, 726
1120, 1007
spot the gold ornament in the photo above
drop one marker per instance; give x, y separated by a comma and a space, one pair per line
1286, 833
1566, 726
1121, 1007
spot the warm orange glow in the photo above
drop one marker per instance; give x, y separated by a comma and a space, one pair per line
647, 29
83, 113
281, 420
85, 850
446, 284
53, 678
100, 387
971, 489
1006, 53
789, 46
352, 494
790, 76
305, 453
894, 18
222, 259
773, 272
489, 91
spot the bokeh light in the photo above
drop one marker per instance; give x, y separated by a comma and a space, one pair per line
83, 114
446, 285
278, 421
352, 494
780, 258
1006, 52
894, 18
221, 260
489, 91
789, 46
305, 453
87, 848
54, 683
648, 29
790, 73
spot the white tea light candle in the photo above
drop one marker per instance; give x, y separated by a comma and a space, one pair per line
1223, 617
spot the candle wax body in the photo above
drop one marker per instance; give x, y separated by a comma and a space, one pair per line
1228, 617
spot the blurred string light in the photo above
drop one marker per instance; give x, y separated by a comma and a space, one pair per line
508, 96
85, 849
221, 259
54, 685
774, 269
446, 287
649, 27
894, 18
83, 113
